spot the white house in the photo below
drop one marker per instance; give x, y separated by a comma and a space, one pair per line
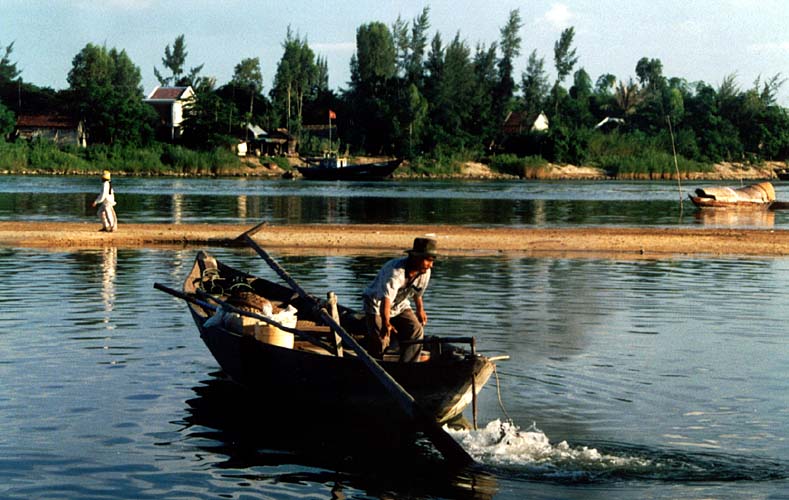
169, 103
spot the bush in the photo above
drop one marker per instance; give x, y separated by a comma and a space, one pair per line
635, 155
441, 163
13, 156
46, 156
529, 167
123, 158
188, 161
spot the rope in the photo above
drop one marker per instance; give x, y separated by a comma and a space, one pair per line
498, 392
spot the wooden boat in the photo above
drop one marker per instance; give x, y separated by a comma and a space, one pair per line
760, 195
332, 167
305, 374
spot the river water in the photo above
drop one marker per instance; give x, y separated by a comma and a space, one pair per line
639, 378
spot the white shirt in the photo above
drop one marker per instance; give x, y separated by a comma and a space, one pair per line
391, 282
107, 195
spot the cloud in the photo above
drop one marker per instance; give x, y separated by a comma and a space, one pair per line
559, 16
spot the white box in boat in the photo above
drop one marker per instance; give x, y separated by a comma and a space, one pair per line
271, 334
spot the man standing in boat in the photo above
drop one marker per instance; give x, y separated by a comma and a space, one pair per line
387, 301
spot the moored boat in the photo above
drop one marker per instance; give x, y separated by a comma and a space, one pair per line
760, 195
333, 167
307, 373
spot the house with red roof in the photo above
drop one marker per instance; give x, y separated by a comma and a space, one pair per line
58, 128
169, 103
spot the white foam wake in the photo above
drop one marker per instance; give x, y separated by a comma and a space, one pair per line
505, 444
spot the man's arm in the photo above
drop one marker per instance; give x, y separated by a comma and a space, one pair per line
420, 310
386, 312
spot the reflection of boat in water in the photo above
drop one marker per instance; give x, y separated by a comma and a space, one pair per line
332, 167
733, 217
318, 449
760, 195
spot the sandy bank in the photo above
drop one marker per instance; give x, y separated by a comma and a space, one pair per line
392, 239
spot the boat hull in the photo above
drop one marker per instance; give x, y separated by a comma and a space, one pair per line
307, 379
702, 202
358, 172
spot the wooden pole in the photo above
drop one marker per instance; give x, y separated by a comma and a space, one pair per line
445, 444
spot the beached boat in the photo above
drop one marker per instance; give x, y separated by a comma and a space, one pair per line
299, 370
332, 167
760, 195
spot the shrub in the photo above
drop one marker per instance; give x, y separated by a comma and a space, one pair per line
46, 156
13, 156
529, 167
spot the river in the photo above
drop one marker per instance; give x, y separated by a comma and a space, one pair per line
664, 378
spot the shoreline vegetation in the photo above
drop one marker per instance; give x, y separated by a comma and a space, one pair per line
180, 162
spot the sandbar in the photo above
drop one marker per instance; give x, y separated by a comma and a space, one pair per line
318, 239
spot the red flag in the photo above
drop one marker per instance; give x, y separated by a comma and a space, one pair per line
332, 115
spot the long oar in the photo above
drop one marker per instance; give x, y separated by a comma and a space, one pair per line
448, 447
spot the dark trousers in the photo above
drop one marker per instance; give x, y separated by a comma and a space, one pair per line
408, 328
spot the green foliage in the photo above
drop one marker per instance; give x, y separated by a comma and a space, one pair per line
174, 60
45, 156
523, 167
296, 79
279, 161
106, 92
7, 122
13, 156
124, 158
441, 163
187, 161
8, 70
638, 156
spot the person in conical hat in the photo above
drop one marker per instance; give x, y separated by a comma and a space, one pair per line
387, 301
106, 203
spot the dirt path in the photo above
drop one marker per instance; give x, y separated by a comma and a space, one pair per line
453, 240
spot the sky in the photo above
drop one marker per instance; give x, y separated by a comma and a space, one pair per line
694, 39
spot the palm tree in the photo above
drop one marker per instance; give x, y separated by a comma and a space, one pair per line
628, 96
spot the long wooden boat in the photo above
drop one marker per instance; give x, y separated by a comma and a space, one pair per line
332, 168
307, 375
760, 195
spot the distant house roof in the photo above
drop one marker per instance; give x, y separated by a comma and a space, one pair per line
518, 122
47, 121
170, 93
610, 121
256, 131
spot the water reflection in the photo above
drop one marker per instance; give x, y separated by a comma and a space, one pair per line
508, 203
228, 420
109, 264
733, 217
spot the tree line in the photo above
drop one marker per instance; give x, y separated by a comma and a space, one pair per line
415, 95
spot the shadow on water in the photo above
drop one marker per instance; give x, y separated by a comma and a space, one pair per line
318, 448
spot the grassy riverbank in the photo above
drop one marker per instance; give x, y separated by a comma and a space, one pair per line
44, 158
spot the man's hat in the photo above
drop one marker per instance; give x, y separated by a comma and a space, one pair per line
105, 175
424, 247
